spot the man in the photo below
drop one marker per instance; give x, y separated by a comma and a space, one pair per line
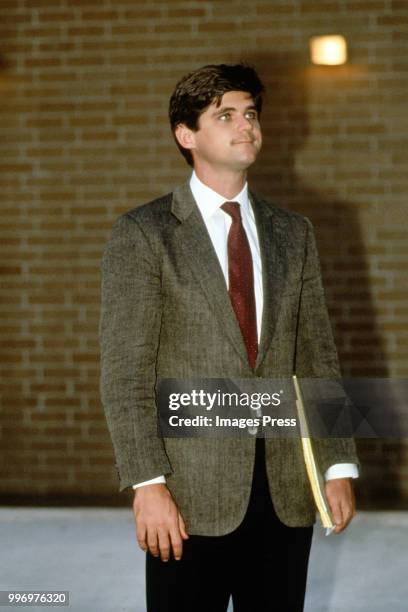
212, 281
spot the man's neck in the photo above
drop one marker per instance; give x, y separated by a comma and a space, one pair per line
226, 184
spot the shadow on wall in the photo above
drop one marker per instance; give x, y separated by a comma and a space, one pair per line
342, 252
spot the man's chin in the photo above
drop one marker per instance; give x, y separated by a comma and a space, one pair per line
248, 154
245, 161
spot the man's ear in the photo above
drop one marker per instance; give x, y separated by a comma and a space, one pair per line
185, 136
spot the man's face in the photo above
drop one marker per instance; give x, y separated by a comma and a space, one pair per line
229, 135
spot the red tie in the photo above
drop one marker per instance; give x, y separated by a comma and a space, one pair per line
241, 281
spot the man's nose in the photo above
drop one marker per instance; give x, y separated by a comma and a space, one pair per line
244, 123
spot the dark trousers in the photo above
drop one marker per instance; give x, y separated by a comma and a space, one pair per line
262, 563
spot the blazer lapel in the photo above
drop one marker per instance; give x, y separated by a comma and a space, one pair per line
194, 240
271, 235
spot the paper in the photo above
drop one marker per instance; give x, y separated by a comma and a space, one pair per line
315, 477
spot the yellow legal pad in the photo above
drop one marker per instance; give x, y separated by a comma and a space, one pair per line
315, 477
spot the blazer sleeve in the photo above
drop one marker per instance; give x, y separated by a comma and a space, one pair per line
129, 334
316, 354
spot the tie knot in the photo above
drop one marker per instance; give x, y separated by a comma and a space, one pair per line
233, 210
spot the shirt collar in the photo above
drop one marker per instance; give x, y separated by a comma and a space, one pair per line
209, 201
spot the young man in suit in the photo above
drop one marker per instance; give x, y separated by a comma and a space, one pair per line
212, 281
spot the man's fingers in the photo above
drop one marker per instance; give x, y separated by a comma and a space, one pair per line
176, 543
348, 508
338, 518
337, 514
343, 517
164, 544
340, 495
182, 527
349, 512
152, 542
141, 534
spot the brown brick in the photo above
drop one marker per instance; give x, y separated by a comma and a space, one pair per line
18, 167
107, 15
8, 270
319, 7
393, 20
217, 26
119, 30
274, 9
186, 13
84, 3
365, 5
46, 417
85, 30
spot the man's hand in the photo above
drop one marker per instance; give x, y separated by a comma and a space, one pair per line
159, 524
342, 503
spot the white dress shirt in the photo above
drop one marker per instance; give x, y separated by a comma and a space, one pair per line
218, 223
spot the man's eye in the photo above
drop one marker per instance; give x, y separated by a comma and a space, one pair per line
252, 115
225, 116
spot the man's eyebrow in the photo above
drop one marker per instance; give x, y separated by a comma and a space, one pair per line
225, 109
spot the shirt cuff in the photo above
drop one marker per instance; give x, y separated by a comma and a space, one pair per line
157, 480
342, 470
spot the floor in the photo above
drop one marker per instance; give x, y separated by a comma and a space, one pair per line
93, 554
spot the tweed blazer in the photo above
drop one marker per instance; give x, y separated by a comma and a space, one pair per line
166, 313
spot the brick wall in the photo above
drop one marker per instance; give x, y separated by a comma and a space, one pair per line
84, 86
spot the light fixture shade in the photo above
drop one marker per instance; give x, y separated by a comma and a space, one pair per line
328, 50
